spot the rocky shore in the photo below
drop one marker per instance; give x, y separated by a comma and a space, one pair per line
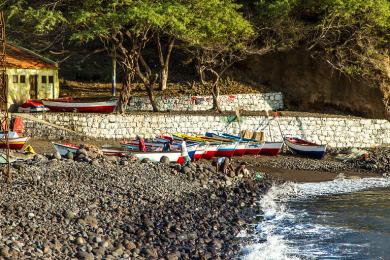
105, 208
376, 161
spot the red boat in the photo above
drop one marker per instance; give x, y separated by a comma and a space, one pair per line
32, 106
15, 142
80, 106
271, 148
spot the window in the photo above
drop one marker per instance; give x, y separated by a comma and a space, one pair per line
51, 79
44, 79
22, 78
15, 78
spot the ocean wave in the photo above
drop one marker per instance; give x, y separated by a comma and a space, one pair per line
279, 234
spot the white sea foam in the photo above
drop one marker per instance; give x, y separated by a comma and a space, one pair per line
272, 238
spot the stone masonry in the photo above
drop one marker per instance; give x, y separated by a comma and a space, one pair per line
247, 102
336, 132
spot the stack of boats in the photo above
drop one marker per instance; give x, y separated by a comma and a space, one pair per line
199, 147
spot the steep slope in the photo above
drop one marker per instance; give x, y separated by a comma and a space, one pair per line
312, 85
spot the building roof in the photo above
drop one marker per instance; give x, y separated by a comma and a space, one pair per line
18, 57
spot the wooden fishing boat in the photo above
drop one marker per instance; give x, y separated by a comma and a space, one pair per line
31, 106
305, 148
63, 149
81, 106
14, 143
226, 149
271, 148
174, 156
253, 148
200, 151
157, 146
245, 146
210, 151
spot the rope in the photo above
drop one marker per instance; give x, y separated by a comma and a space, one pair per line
33, 118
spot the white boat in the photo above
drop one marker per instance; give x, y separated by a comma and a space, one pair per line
305, 148
79, 106
156, 156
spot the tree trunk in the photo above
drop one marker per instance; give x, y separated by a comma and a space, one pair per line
215, 94
164, 61
125, 93
200, 71
163, 78
149, 90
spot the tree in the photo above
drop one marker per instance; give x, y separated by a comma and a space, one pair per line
350, 35
124, 27
224, 37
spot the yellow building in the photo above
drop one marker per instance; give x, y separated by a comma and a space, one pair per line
29, 76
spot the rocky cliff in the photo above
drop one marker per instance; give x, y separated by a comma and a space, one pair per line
312, 85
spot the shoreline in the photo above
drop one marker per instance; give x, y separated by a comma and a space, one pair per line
306, 176
96, 207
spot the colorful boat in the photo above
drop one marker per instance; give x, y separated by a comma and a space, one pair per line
226, 149
63, 149
253, 148
210, 151
200, 151
16, 143
305, 148
158, 144
245, 146
79, 106
271, 148
32, 106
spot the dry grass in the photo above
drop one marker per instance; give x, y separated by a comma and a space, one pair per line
92, 89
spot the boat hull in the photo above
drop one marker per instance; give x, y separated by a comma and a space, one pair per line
271, 148
94, 107
14, 143
210, 151
63, 149
313, 151
253, 149
156, 156
240, 150
226, 150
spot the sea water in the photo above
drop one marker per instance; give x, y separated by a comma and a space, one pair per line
341, 219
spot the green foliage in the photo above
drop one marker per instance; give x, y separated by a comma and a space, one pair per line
220, 23
271, 10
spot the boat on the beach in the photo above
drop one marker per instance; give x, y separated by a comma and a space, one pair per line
31, 106
226, 149
271, 148
81, 106
15, 141
174, 156
63, 149
158, 144
244, 146
305, 148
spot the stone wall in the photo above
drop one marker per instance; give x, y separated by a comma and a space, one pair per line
248, 102
336, 132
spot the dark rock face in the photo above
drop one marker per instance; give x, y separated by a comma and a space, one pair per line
107, 209
311, 85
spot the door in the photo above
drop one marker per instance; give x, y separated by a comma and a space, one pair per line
33, 86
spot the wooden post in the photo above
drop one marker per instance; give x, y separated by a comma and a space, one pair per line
113, 87
4, 120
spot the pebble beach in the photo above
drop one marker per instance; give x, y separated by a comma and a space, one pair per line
99, 207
